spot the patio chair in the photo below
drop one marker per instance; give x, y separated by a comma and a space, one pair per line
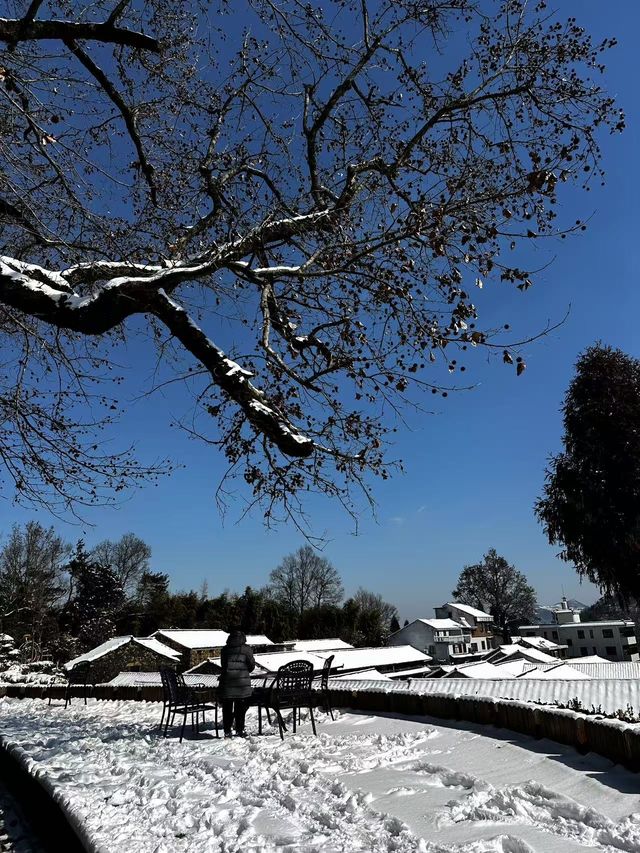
291, 688
185, 699
78, 676
324, 686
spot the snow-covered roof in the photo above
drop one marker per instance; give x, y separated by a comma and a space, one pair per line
621, 670
403, 673
376, 657
318, 645
157, 646
441, 624
99, 651
115, 643
153, 679
539, 643
272, 661
513, 650
346, 659
363, 675
512, 668
205, 638
562, 671
476, 670
478, 615
6, 638
593, 659
602, 623
611, 694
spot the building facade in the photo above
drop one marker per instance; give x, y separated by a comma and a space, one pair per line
479, 623
438, 638
612, 639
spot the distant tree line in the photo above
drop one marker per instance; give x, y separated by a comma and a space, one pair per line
58, 601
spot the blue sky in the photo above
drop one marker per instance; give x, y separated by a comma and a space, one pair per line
473, 468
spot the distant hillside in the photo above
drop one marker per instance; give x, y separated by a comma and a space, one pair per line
544, 612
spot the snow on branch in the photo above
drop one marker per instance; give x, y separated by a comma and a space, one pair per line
232, 379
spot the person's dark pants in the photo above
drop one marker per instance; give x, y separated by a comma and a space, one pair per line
233, 714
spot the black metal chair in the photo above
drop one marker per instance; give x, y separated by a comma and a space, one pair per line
182, 698
78, 676
324, 685
291, 688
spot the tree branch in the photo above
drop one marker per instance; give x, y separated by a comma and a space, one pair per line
12, 30
126, 113
231, 378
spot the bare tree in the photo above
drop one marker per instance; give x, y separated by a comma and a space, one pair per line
304, 580
498, 587
128, 558
305, 183
31, 574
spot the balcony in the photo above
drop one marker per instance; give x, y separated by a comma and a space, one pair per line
451, 637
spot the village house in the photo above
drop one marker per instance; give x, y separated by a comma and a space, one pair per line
479, 622
196, 645
438, 638
125, 654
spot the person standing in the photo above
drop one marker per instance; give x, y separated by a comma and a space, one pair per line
236, 659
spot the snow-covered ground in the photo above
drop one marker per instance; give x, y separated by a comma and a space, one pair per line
366, 783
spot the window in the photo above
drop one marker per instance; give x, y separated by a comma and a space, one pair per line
569, 641
583, 651
591, 633
611, 651
631, 649
627, 632
554, 634
545, 634
581, 635
607, 632
432, 650
594, 651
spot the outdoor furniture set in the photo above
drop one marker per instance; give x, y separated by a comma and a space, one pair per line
291, 688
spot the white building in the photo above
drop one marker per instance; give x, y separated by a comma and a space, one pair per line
613, 639
479, 623
438, 638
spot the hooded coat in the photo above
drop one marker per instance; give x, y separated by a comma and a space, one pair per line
236, 659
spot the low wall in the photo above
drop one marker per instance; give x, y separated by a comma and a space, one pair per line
612, 739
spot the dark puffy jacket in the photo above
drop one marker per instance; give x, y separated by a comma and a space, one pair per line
237, 662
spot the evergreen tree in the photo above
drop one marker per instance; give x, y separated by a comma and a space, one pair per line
591, 500
96, 599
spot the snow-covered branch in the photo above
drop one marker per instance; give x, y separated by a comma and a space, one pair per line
232, 379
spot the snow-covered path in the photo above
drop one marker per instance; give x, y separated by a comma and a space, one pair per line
366, 783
